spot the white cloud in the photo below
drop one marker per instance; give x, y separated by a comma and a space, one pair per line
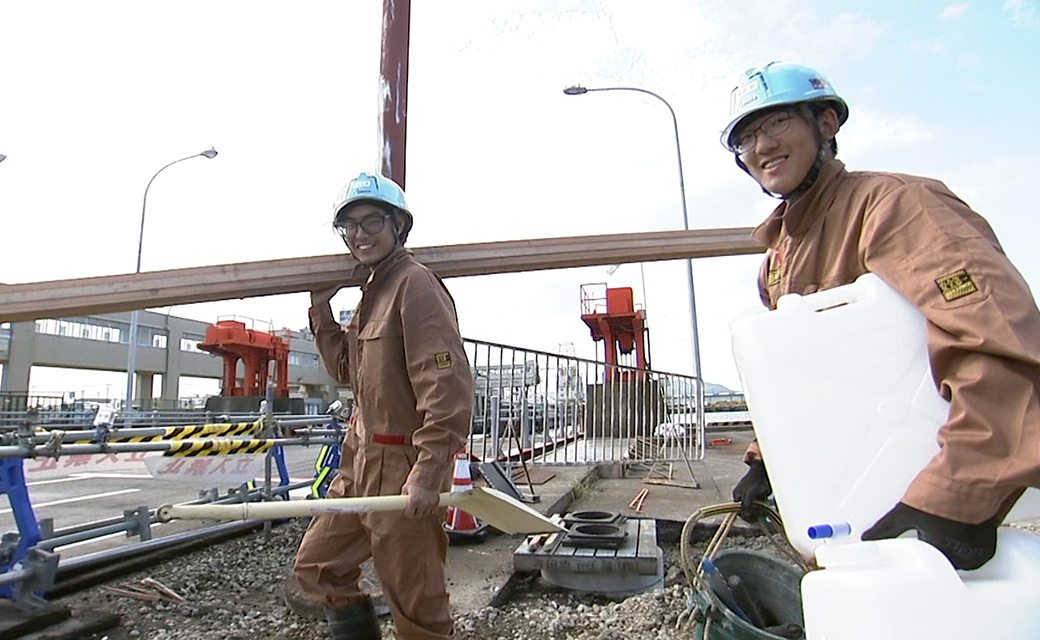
1023, 13
953, 12
969, 61
790, 30
871, 131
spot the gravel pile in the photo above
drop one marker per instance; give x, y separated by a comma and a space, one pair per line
234, 591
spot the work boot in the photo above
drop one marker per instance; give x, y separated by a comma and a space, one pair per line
354, 623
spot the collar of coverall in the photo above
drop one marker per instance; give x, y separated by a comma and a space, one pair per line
795, 218
386, 266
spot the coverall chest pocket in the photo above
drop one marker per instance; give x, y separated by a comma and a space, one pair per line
379, 346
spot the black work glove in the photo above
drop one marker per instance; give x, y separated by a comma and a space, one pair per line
968, 546
752, 487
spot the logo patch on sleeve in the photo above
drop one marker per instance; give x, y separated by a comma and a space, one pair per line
773, 278
443, 360
956, 285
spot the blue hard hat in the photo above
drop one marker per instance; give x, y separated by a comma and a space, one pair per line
776, 84
375, 188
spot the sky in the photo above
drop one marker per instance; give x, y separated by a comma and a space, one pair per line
96, 97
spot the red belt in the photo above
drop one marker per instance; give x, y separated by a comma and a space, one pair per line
386, 438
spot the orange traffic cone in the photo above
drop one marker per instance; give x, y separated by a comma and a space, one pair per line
461, 526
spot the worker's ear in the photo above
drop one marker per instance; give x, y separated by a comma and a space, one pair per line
398, 221
828, 123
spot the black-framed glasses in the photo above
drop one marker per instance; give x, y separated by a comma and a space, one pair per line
773, 126
372, 224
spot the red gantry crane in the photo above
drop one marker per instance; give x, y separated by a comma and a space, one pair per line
231, 340
612, 317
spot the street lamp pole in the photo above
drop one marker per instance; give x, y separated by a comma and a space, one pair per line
699, 388
131, 361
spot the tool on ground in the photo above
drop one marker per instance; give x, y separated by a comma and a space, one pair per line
493, 507
637, 502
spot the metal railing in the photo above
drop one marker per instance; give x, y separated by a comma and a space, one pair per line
27, 561
560, 410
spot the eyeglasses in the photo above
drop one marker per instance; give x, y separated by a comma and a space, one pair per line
371, 224
772, 127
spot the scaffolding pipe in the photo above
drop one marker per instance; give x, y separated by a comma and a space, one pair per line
14, 577
85, 562
222, 445
87, 430
70, 535
89, 534
83, 436
104, 529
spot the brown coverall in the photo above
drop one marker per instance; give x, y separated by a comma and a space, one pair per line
404, 359
982, 323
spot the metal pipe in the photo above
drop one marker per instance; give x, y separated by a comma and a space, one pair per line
217, 444
103, 525
59, 541
88, 534
172, 420
14, 577
87, 561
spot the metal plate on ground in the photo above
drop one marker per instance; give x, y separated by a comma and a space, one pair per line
595, 535
601, 517
638, 555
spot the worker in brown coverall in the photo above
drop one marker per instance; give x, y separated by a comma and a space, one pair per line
983, 327
404, 359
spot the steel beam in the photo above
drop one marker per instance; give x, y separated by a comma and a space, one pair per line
393, 89
84, 296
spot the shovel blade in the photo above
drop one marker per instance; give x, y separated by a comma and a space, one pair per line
502, 512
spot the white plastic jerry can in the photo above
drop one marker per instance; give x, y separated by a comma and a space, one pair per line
906, 589
846, 413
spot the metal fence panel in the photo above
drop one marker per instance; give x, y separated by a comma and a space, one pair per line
556, 409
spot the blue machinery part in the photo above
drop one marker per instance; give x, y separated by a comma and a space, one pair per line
15, 547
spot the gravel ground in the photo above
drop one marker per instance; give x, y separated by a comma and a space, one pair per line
234, 591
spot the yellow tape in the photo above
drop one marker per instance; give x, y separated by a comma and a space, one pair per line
192, 448
219, 429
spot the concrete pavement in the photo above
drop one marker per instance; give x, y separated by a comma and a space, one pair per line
479, 573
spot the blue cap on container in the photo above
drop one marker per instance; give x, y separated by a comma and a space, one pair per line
821, 531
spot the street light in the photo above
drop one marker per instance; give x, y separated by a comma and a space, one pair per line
131, 362
578, 90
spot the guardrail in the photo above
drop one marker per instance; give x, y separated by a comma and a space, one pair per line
28, 564
560, 410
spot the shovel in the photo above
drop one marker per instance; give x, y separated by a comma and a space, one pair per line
493, 507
